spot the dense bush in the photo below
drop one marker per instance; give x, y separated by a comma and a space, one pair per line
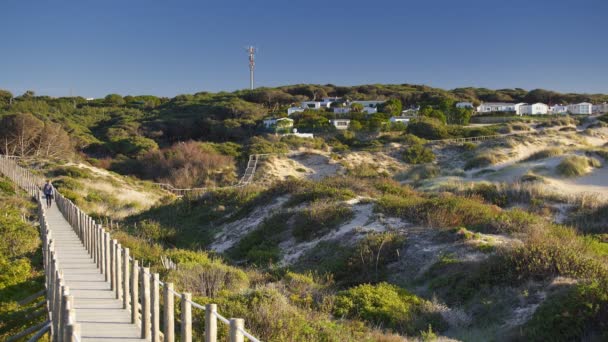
418, 154
387, 306
187, 165
428, 128
572, 314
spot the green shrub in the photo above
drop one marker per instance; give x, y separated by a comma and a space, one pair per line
319, 218
482, 160
547, 153
261, 245
304, 191
6, 187
442, 211
388, 306
469, 146
418, 154
571, 315
573, 166
428, 128
421, 172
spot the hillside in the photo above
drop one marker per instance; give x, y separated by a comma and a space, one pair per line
381, 233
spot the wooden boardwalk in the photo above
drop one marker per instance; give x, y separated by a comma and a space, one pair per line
96, 291
101, 316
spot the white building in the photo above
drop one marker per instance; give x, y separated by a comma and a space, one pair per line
292, 110
327, 101
558, 109
582, 108
464, 105
311, 105
368, 104
283, 123
341, 110
533, 109
403, 119
491, 107
345, 110
601, 108
299, 135
340, 124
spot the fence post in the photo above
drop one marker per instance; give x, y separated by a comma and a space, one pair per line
135, 292
108, 255
186, 326
125, 286
235, 334
118, 267
112, 267
210, 323
145, 310
67, 313
169, 313
155, 308
73, 332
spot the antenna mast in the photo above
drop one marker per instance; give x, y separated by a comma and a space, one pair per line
251, 51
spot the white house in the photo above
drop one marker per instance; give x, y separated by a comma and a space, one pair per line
558, 109
601, 108
345, 110
464, 105
490, 107
341, 110
368, 104
580, 108
299, 135
411, 111
292, 110
403, 119
327, 101
310, 105
281, 123
533, 109
340, 124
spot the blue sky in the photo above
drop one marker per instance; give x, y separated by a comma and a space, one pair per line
172, 47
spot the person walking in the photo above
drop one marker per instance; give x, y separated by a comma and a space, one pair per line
48, 191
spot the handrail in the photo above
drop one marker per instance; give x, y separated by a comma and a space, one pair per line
60, 304
122, 271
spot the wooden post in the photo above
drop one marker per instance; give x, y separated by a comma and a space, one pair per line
146, 325
169, 313
112, 265
125, 280
155, 308
73, 332
57, 303
119, 272
186, 317
210, 323
99, 247
235, 334
67, 314
135, 292
108, 256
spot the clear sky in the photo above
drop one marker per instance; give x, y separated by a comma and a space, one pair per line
172, 47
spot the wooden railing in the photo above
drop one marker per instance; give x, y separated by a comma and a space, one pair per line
60, 304
135, 285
